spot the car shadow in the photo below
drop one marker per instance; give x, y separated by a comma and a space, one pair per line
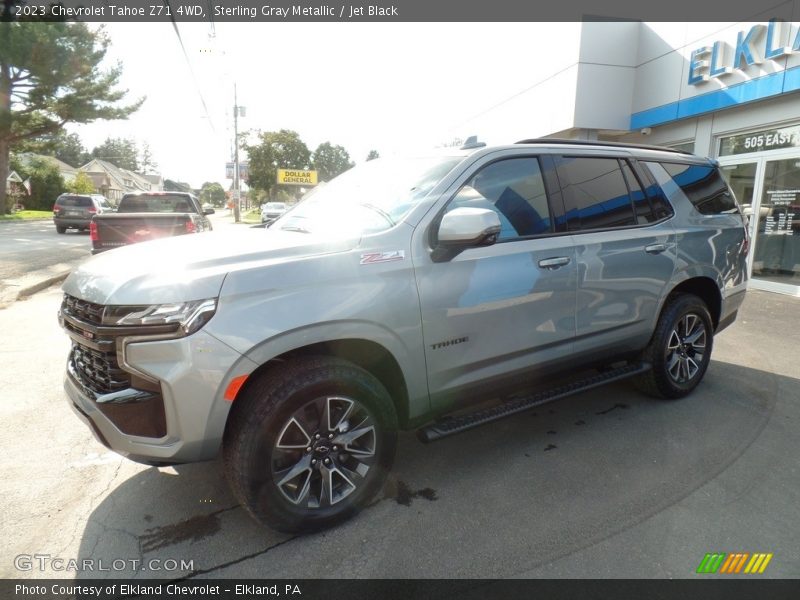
592, 465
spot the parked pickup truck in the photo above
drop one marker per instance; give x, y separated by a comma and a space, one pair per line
148, 216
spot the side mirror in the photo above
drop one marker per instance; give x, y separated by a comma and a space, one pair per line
208, 211
463, 228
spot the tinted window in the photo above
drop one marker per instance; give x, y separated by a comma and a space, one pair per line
595, 193
81, 201
514, 189
704, 187
641, 205
156, 203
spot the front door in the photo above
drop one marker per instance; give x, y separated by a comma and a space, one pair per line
505, 311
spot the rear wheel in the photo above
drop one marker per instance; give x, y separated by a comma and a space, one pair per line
309, 446
61, 229
680, 349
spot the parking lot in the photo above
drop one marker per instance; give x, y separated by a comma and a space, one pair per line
608, 483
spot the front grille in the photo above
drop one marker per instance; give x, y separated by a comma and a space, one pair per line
98, 371
83, 310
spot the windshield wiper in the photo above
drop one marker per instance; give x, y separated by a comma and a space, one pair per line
380, 211
295, 228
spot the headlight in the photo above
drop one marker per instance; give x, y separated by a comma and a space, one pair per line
189, 316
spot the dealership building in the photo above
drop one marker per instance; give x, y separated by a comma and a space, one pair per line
727, 91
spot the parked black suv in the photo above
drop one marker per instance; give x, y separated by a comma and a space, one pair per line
76, 210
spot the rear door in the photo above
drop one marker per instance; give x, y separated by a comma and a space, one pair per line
625, 251
502, 312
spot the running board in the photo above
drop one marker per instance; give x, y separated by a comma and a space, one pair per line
452, 425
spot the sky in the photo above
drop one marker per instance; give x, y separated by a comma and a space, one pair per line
392, 87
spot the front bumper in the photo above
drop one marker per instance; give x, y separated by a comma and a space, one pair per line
181, 418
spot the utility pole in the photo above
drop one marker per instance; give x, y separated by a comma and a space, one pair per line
236, 192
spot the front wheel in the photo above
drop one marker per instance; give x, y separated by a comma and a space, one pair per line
309, 445
680, 349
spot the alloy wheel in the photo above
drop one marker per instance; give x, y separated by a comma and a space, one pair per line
324, 452
686, 348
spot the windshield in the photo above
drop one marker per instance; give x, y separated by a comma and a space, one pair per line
369, 198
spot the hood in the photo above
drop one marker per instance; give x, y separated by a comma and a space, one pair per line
189, 267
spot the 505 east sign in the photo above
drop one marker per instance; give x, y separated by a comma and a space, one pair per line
753, 46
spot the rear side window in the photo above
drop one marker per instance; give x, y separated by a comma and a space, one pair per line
595, 193
704, 186
641, 204
79, 201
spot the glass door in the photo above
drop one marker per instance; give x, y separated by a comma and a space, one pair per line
776, 257
744, 177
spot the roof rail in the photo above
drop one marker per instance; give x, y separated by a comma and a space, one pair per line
599, 143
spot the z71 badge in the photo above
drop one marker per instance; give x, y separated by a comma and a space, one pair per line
371, 258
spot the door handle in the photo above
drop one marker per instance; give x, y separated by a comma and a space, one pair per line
655, 248
554, 263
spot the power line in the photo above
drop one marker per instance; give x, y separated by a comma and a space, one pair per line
189, 64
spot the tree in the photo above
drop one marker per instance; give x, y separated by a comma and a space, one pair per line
121, 152
82, 184
70, 149
146, 161
212, 193
65, 147
330, 161
373, 154
50, 75
275, 149
45, 181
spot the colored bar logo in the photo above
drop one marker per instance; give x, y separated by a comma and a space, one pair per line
734, 563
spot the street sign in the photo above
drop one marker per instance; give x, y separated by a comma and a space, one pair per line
244, 170
297, 177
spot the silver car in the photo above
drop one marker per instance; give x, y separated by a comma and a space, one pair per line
270, 211
396, 297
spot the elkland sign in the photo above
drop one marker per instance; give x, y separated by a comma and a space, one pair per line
761, 42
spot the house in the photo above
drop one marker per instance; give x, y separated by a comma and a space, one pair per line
112, 181
68, 173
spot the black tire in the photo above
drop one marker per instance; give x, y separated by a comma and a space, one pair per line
265, 442
61, 229
679, 357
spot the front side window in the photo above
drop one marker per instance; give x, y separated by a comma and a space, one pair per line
595, 193
514, 189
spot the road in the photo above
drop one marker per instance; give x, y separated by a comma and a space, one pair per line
32, 251
604, 484
27, 246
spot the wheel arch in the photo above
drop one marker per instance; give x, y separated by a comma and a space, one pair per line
706, 289
367, 354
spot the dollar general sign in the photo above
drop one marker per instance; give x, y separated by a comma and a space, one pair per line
296, 177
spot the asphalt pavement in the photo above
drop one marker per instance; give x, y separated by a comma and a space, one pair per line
608, 483
34, 256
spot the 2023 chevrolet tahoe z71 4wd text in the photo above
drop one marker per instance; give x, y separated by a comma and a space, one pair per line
401, 292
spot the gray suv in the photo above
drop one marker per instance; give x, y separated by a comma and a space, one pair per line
77, 210
433, 293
